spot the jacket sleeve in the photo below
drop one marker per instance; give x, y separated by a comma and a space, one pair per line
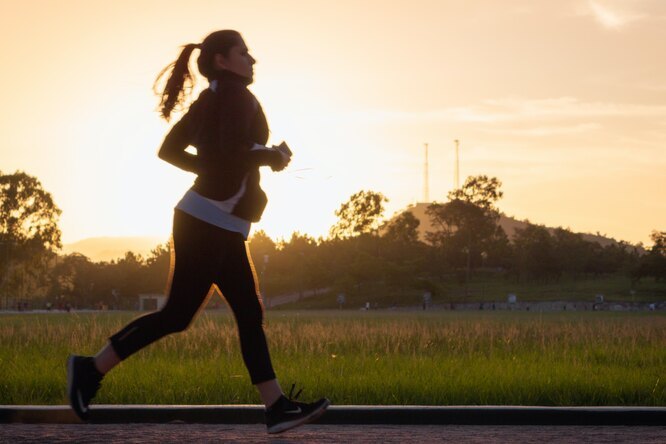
237, 112
174, 145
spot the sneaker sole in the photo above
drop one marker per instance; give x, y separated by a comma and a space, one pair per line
284, 426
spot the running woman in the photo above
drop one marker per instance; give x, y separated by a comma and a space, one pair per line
211, 222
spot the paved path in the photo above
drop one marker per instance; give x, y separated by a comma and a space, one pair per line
346, 414
182, 433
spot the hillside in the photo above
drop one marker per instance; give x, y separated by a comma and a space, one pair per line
107, 248
508, 224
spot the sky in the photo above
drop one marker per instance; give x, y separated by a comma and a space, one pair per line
563, 101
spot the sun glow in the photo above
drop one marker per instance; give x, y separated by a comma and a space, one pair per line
576, 140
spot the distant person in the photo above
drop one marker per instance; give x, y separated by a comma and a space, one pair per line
211, 223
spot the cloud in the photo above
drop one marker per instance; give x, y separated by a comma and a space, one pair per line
497, 111
509, 109
608, 17
540, 131
617, 14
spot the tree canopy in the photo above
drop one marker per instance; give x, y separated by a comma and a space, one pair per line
358, 259
482, 191
28, 215
403, 228
361, 214
466, 227
29, 234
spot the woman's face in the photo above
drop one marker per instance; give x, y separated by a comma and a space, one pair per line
238, 61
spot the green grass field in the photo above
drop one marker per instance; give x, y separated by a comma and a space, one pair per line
433, 358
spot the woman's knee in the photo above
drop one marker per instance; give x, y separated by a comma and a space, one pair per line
172, 321
250, 316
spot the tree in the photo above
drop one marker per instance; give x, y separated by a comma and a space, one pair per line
653, 264
658, 255
659, 240
481, 190
261, 245
28, 215
535, 255
73, 280
401, 249
403, 229
463, 231
300, 260
28, 229
573, 253
361, 214
467, 225
131, 281
157, 268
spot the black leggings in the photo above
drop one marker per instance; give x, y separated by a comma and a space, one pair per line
204, 255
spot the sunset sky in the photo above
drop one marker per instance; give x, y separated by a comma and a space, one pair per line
564, 101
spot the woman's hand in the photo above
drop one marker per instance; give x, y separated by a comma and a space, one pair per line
284, 159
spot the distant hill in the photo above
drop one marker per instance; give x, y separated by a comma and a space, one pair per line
508, 224
107, 248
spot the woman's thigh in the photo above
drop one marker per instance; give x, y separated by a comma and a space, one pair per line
192, 270
237, 279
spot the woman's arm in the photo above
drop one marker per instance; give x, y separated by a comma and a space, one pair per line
174, 145
237, 112
266, 156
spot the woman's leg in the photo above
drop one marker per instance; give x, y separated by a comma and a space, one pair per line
106, 359
190, 280
238, 283
269, 392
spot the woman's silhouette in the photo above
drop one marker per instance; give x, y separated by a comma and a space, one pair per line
228, 128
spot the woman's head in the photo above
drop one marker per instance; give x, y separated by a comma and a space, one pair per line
221, 50
225, 50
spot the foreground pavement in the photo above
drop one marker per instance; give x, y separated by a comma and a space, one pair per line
345, 414
316, 433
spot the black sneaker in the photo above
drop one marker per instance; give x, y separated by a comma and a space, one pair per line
83, 381
286, 413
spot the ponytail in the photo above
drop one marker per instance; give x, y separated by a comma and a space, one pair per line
179, 84
181, 81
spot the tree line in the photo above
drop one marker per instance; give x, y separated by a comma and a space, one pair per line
363, 251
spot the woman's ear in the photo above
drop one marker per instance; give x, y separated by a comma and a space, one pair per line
219, 62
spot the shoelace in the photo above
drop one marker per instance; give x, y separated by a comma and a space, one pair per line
291, 391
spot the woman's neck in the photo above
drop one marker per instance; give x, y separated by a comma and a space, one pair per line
224, 75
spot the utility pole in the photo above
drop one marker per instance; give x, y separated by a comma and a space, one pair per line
426, 190
456, 177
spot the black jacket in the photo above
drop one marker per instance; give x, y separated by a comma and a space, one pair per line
223, 125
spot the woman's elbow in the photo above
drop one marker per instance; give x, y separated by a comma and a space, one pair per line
164, 153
